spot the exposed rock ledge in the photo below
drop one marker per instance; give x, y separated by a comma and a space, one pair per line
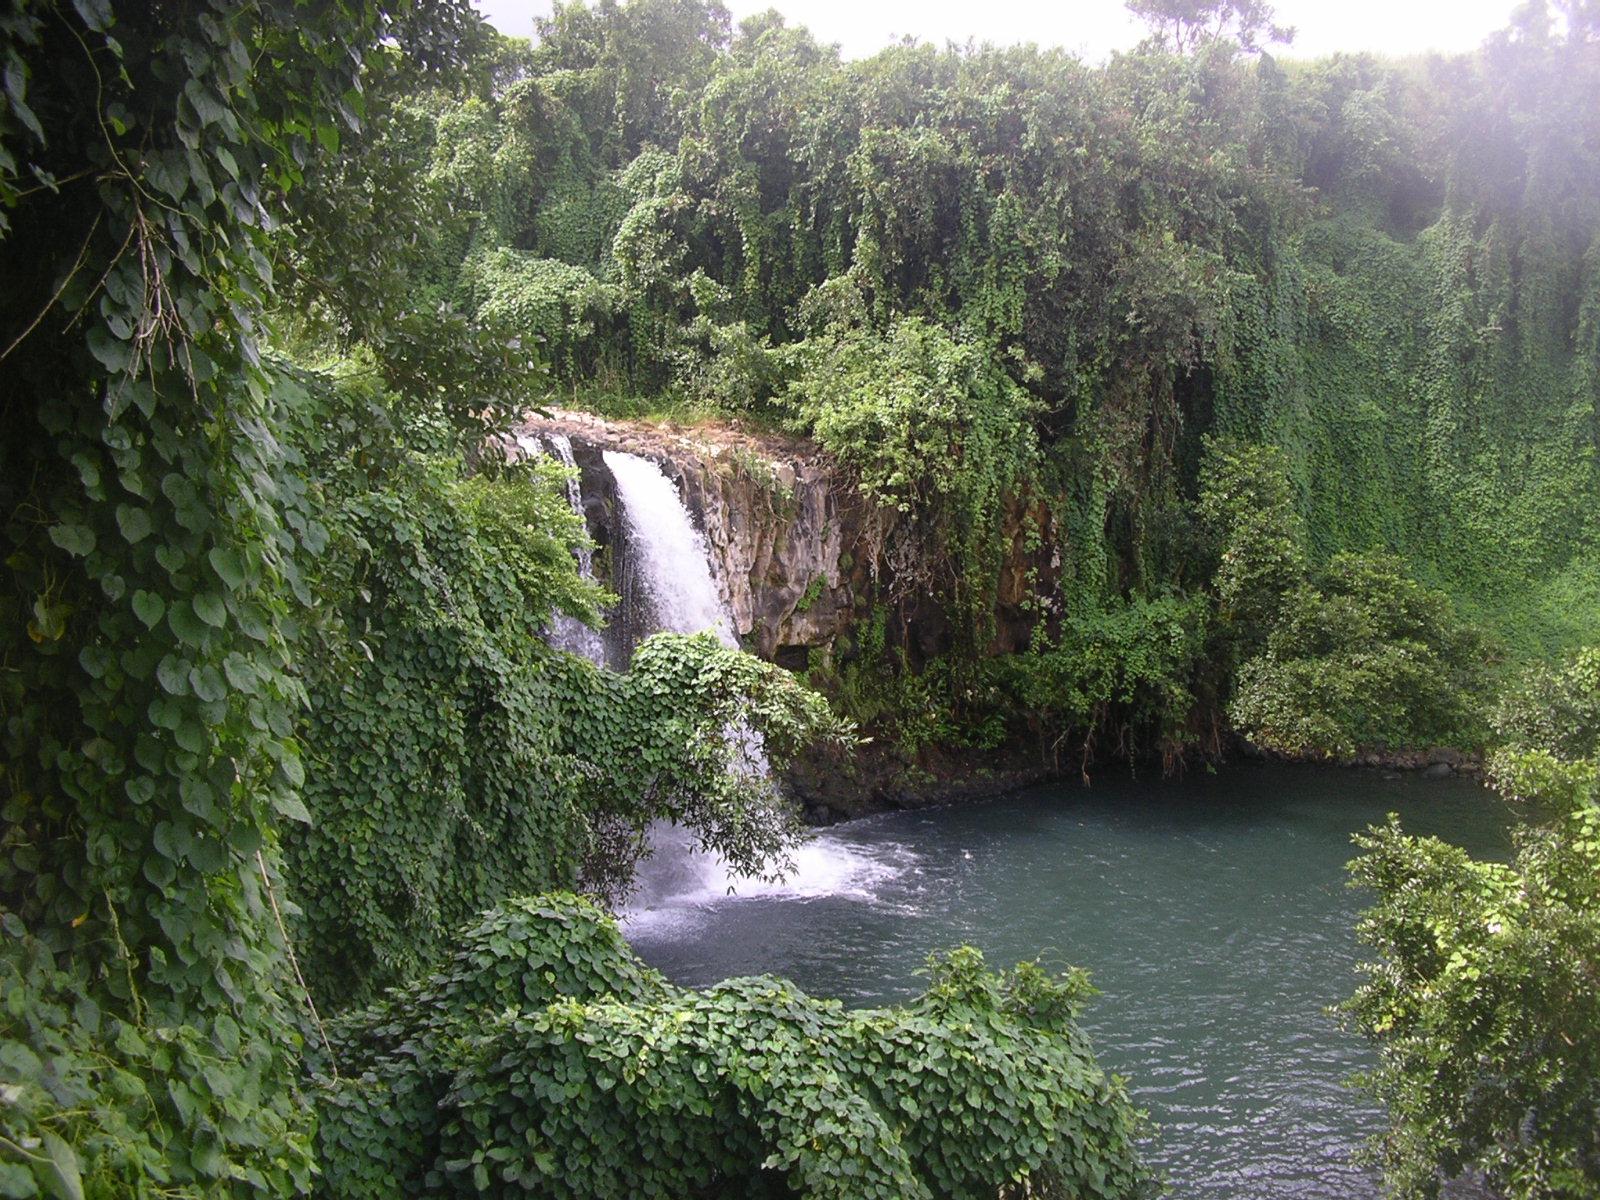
801, 555
784, 529
1435, 762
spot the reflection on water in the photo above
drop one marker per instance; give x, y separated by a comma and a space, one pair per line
1212, 913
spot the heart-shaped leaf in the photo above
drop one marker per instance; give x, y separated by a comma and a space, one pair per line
149, 608
225, 562
173, 675
74, 539
209, 608
134, 522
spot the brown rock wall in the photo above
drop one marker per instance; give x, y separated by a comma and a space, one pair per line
796, 549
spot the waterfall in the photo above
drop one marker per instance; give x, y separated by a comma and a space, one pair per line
669, 569
661, 567
667, 551
562, 445
565, 632
669, 557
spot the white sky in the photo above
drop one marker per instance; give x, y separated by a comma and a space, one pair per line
1096, 27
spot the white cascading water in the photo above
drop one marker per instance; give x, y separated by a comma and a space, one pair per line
569, 633
669, 551
671, 556
564, 632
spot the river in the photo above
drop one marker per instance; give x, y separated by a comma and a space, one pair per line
1211, 912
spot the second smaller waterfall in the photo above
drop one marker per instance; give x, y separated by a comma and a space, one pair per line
569, 633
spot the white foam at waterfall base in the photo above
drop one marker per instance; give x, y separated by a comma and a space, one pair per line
678, 879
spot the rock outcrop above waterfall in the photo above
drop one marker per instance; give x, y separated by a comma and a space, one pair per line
797, 550
784, 531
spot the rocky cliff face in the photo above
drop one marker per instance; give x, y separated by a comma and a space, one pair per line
799, 553
783, 529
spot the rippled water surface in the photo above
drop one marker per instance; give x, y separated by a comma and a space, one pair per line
1213, 914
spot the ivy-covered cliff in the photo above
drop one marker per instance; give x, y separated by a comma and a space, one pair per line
1021, 301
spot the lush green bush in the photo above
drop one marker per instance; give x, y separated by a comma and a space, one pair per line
942, 706
1550, 729
564, 309
424, 798
1121, 675
1356, 655
543, 1058
1366, 658
724, 367
1248, 510
931, 425
1482, 1002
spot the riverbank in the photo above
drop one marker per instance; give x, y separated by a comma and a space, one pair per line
1438, 762
834, 785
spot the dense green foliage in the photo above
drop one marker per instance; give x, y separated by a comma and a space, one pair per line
1550, 725
229, 581
1362, 657
153, 528
544, 1058
1120, 673
1246, 506
993, 279
1482, 1002
452, 759
277, 717
931, 426
1356, 654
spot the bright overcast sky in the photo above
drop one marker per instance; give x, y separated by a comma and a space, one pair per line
1096, 27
